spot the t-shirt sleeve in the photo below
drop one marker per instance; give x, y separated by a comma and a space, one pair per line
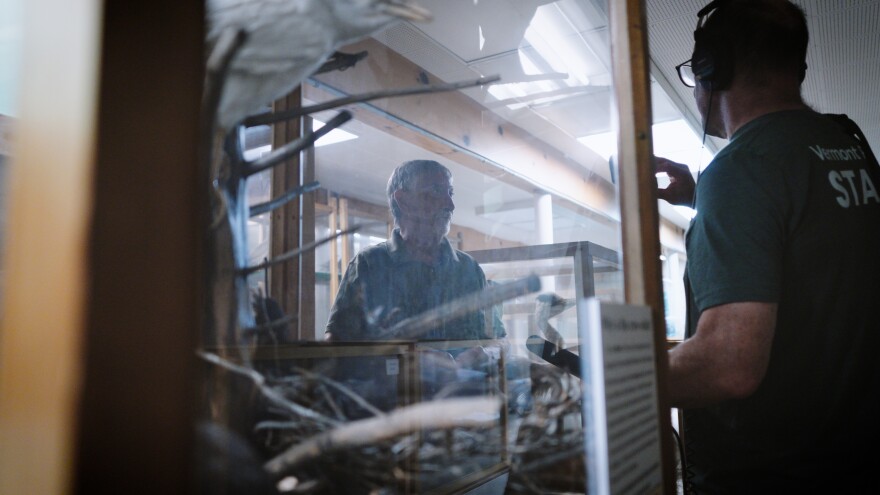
736, 243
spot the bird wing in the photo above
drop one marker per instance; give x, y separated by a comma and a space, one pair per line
281, 34
287, 40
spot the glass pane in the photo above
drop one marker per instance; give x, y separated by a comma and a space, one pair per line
411, 357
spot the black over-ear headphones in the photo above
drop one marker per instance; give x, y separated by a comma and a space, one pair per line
712, 61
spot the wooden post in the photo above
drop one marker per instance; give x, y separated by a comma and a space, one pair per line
345, 224
334, 251
139, 395
284, 230
307, 236
640, 225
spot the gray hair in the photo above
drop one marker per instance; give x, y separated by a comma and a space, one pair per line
405, 175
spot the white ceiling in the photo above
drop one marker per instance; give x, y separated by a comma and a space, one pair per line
568, 96
843, 57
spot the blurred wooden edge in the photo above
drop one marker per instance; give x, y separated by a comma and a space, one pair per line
48, 215
638, 197
97, 372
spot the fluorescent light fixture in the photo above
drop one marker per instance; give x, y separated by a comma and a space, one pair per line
335, 136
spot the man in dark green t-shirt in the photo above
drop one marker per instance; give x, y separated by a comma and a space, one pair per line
778, 378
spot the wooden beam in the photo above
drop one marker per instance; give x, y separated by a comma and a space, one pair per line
138, 402
638, 196
45, 282
284, 230
307, 329
345, 224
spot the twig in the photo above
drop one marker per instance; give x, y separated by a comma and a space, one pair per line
260, 208
283, 153
296, 252
332, 403
270, 393
342, 388
444, 414
271, 118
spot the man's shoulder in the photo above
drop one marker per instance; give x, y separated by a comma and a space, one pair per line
377, 253
773, 137
785, 132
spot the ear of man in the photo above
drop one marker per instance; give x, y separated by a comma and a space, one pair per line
400, 197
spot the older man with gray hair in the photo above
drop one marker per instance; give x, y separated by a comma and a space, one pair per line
414, 271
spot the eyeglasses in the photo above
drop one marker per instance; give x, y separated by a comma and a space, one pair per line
686, 73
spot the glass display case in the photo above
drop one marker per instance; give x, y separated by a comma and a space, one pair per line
380, 395
568, 272
457, 180
513, 102
167, 223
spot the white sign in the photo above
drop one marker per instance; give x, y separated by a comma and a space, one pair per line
392, 366
622, 429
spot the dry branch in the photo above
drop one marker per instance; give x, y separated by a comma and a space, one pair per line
296, 252
288, 150
283, 199
271, 118
270, 393
433, 415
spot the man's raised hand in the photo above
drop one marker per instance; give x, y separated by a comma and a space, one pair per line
680, 190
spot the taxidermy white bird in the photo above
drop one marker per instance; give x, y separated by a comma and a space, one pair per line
288, 40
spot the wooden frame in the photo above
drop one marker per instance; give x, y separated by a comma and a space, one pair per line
105, 225
96, 284
638, 194
45, 251
293, 282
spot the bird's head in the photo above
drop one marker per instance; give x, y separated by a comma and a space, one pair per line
367, 16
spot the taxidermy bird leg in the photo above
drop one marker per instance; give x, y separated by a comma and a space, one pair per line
271, 118
233, 187
230, 316
247, 270
230, 230
219, 265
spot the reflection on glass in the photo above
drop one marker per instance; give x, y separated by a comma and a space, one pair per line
530, 162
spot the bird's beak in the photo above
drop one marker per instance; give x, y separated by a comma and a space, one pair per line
407, 10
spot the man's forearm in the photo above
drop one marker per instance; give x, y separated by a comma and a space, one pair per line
726, 358
693, 379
